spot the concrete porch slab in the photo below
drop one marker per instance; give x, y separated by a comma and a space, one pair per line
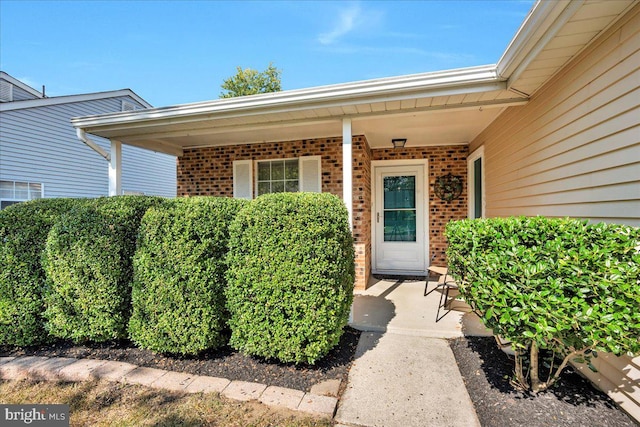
400, 307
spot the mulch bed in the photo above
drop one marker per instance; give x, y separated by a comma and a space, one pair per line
573, 401
224, 363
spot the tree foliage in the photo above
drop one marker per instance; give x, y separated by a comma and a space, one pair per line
560, 285
251, 82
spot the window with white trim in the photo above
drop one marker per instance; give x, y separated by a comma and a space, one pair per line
276, 176
12, 192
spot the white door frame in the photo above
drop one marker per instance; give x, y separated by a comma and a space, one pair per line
477, 154
375, 164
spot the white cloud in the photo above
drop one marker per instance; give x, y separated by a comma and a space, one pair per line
347, 21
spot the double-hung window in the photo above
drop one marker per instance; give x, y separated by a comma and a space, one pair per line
276, 176
12, 192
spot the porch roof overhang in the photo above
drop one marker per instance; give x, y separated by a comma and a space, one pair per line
438, 108
455, 105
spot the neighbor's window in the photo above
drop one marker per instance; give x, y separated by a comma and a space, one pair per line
278, 176
12, 192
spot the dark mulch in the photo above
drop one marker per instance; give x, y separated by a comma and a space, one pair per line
572, 402
224, 363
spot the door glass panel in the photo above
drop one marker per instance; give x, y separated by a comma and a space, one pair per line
399, 208
400, 226
399, 192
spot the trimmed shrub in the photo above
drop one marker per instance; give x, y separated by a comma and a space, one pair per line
23, 234
179, 275
290, 277
88, 261
556, 284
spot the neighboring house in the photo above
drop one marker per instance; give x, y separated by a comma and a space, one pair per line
41, 156
552, 129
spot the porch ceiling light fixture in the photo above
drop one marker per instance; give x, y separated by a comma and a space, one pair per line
398, 142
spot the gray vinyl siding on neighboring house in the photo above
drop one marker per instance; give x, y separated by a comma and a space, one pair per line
20, 94
574, 150
39, 145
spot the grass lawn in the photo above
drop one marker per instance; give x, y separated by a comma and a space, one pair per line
103, 403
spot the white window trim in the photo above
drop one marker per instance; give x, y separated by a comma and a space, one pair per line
301, 186
477, 154
14, 199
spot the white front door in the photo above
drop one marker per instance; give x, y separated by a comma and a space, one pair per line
399, 219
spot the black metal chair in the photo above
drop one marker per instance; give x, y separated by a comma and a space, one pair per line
445, 283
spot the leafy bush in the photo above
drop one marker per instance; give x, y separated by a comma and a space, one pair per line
291, 273
179, 275
23, 234
556, 284
88, 261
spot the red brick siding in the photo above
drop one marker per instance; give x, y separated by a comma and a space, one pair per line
209, 171
362, 209
441, 160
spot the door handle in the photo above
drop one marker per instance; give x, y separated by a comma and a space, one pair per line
378, 217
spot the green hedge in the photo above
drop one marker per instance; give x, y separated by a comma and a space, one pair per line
558, 284
291, 276
179, 275
23, 233
88, 261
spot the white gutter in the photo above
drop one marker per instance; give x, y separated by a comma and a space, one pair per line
366, 91
82, 136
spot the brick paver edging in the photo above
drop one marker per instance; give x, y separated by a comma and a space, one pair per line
71, 369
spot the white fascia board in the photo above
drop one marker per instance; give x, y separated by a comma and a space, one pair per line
538, 22
21, 85
376, 90
57, 100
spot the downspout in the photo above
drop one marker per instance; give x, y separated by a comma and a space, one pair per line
82, 136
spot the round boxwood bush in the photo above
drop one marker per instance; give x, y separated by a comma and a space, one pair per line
179, 276
290, 276
88, 261
23, 234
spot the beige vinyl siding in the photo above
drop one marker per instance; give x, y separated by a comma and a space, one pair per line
574, 150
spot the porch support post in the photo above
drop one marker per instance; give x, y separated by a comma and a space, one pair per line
115, 169
347, 168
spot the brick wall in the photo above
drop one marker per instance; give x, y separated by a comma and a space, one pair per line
442, 160
362, 209
209, 171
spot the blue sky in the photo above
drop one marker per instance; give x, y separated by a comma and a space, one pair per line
174, 52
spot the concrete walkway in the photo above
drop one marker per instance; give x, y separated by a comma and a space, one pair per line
404, 373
